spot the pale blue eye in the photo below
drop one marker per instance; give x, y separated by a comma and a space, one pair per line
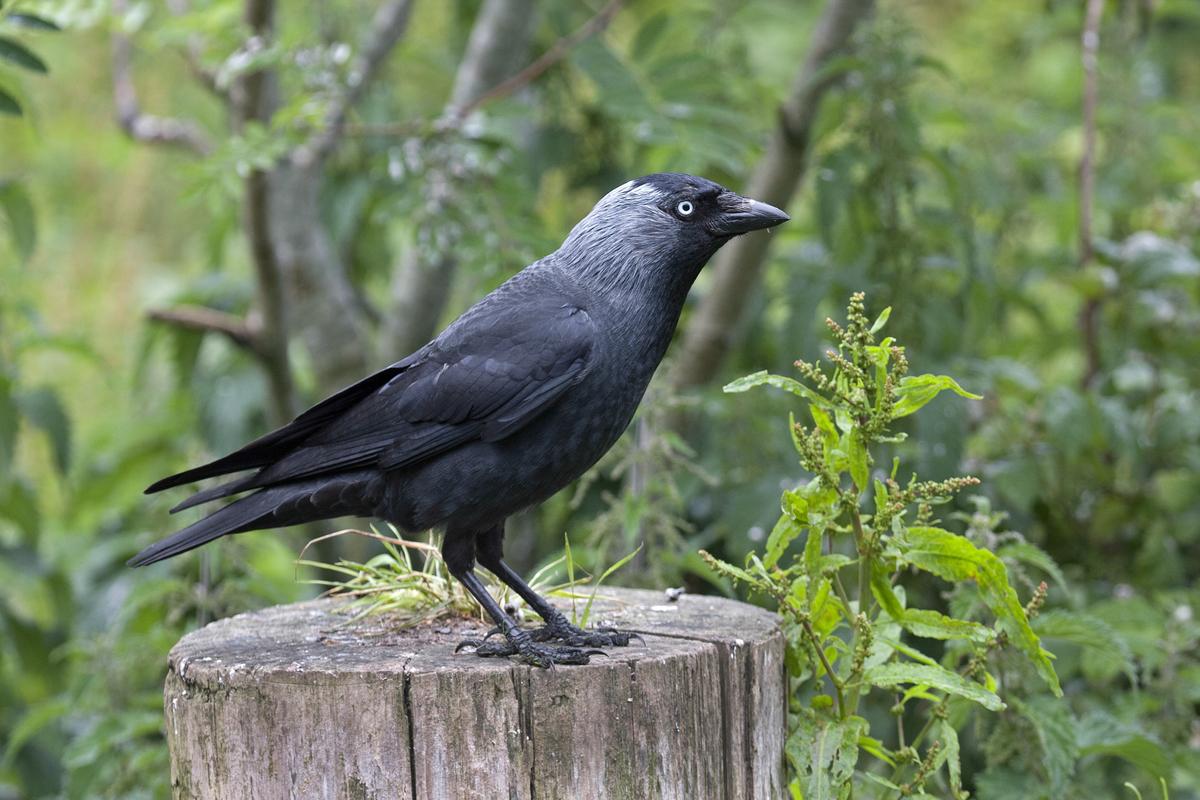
685, 208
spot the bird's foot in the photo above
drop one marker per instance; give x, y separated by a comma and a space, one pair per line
523, 646
558, 629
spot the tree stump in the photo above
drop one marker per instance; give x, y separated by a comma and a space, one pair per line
299, 701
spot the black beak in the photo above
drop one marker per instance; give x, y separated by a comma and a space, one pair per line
741, 215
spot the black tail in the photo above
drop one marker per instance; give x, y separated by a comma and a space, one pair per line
354, 494
276, 444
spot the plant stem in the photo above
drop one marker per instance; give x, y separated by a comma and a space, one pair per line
837, 685
864, 573
842, 594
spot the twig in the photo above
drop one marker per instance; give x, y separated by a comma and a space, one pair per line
737, 270
242, 332
255, 103
192, 55
1087, 182
389, 25
833, 678
557, 52
137, 125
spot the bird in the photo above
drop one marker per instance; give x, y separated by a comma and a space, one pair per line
513, 401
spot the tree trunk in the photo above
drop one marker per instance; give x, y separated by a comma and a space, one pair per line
425, 276
301, 701
737, 269
324, 308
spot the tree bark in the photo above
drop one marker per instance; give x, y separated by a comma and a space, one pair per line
425, 276
254, 100
322, 302
325, 307
737, 269
303, 701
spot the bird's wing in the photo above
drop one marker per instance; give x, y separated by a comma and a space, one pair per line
483, 379
270, 447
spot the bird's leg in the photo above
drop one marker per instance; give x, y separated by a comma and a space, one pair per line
489, 552
458, 553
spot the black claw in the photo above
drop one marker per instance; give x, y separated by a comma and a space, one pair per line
525, 649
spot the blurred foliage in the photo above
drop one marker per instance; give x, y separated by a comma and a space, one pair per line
942, 181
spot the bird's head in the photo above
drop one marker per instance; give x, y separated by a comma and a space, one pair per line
661, 230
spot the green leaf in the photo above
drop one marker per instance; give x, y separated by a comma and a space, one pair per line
881, 320
43, 408
824, 423
951, 756
765, 378
8, 424
619, 89
587, 609
31, 724
782, 535
1055, 728
18, 505
935, 677
860, 471
728, 570
33, 22
9, 104
1034, 556
930, 624
953, 558
1087, 631
649, 34
824, 753
1099, 733
13, 51
915, 391
881, 588
812, 552
17, 210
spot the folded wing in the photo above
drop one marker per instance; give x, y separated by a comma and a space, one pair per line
482, 381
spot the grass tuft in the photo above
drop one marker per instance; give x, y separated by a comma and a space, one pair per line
410, 581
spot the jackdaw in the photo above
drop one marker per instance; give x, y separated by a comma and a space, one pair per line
516, 399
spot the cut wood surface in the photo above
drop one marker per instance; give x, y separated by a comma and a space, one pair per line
300, 701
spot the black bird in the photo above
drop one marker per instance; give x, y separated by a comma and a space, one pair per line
513, 401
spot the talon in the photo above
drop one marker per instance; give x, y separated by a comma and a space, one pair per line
476, 643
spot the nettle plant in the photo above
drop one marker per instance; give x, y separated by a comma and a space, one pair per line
842, 596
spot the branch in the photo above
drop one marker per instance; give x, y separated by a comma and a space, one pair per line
737, 269
555, 54
424, 278
458, 113
192, 55
254, 101
1087, 183
389, 25
137, 125
242, 332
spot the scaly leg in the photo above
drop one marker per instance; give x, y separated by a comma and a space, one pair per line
458, 551
489, 552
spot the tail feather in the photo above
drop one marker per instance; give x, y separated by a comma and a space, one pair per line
353, 494
242, 515
217, 492
271, 447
